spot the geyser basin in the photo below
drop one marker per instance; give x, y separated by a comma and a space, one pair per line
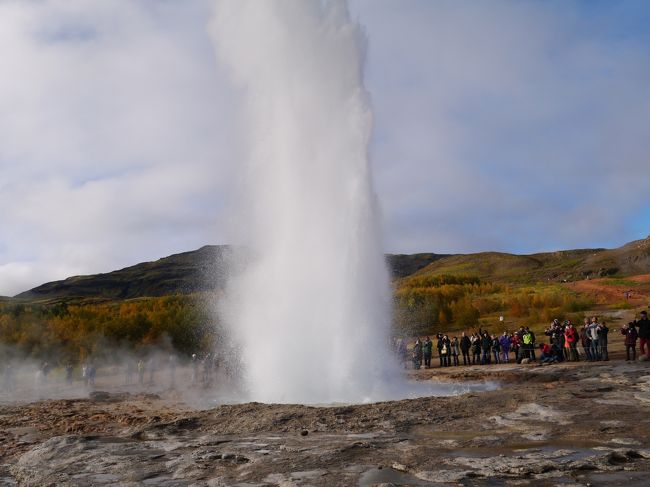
310, 314
395, 391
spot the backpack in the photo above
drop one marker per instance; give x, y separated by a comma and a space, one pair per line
528, 339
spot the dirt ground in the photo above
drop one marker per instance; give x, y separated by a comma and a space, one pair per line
565, 424
634, 290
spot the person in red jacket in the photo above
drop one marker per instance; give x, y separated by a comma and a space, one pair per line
630, 333
571, 338
547, 356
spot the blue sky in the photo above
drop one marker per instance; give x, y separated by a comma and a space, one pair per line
514, 126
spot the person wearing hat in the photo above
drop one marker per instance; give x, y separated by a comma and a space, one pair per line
631, 335
643, 329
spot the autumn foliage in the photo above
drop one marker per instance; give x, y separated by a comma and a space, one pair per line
427, 304
72, 332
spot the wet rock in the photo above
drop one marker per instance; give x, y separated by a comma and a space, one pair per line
619, 457
308, 474
99, 396
445, 476
427, 441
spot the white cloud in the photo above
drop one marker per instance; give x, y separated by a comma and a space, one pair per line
499, 125
507, 126
113, 136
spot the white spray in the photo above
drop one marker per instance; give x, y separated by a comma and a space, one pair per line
311, 310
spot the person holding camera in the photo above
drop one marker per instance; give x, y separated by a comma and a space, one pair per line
604, 333
630, 333
571, 337
643, 327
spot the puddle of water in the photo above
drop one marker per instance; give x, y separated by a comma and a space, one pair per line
389, 475
555, 451
624, 479
104, 478
432, 431
163, 481
362, 436
391, 392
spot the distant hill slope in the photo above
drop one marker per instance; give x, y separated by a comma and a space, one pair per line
402, 265
205, 270
199, 270
630, 259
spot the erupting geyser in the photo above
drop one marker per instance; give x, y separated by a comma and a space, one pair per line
311, 310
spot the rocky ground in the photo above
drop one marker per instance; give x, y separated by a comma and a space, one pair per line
568, 424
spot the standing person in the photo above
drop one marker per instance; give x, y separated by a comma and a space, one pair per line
476, 349
643, 329
402, 352
586, 340
532, 343
445, 351
417, 354
8, 378
504, 342
630, 333
604, 332
84, 373
92, 373
195, 364
141, 368
207, 367
496, 349
515, 343
151, 365
439, 336
560, 341
128, 377
172, 370
527, 344
68, 373
455, 349
594, 334
45, 371
486, 347
571, 341
465, 345
397, 346
427, 349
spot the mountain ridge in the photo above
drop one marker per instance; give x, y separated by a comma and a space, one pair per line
205, 269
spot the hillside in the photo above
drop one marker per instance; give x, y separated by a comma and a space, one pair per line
205, 270
188, 272
402, 265
195, 271
151, 303
568, 265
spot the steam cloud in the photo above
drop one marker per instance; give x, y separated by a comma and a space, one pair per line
311, 310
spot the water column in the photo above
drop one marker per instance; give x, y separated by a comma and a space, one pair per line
311, 310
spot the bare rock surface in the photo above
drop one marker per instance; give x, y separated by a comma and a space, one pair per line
568, 424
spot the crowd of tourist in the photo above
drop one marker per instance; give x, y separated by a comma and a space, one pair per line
563, 341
